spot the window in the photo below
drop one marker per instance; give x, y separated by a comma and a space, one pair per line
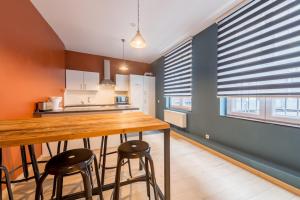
180, 103
269, 109
178, 77
245, 106
259, 61
283, 110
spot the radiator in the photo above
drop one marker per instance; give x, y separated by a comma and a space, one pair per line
176, 118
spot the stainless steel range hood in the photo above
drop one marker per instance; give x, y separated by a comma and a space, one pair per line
107, 80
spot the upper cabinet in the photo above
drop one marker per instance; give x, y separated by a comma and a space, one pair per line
91, 80
81, 80
122, 83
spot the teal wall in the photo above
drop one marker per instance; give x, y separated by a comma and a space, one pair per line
271, 148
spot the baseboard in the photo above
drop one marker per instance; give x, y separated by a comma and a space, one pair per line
263, 175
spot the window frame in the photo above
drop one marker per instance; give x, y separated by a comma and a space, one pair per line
259, 116
270, 117
179, 109
265, 115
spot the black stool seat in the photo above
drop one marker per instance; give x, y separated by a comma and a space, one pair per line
66, 164
134, 149
70, 161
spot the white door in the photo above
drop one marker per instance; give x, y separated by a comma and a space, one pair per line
74, 80
149, 95
91, 80
122, 82
136, 91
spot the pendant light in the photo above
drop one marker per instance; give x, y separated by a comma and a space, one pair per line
123, 66
138, 41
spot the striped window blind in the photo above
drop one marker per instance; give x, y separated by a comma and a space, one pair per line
178, 71
259, 50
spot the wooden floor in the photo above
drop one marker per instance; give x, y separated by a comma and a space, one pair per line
196, 174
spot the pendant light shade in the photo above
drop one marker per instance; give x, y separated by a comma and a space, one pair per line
123, 66
138, 40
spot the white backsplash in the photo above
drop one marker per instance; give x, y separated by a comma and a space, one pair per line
105, 95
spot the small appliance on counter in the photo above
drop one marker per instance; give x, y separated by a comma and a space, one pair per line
121, 100
43, 106
54, 104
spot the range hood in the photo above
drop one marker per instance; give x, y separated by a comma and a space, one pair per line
106, 80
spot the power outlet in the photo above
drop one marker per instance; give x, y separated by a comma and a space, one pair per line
207, 136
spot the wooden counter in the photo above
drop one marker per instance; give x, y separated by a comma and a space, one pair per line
50, 129
40, 130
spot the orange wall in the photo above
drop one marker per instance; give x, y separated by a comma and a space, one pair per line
95, 63
32, 64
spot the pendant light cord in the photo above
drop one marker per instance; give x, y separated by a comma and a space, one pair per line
123, 41
123, 49
138, 15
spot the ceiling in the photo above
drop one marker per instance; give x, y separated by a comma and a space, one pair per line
97, 26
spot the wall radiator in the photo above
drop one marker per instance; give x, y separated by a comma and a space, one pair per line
176, 118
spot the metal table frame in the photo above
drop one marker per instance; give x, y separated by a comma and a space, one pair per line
163, 196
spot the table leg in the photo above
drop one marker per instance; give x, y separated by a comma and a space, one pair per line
167, 164
141, 138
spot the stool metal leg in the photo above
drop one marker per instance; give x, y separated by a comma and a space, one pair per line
87, 185
128, 161
116, 194
88, 143
101, 150
24, 161
7, 182
98, 178
58, 147
140, 138
147, 177
89, 173
34, 163
54, 187
104, 160
39, 187
149, 158
65, 145
59, 187
49, 149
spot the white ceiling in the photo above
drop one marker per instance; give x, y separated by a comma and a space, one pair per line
97, 26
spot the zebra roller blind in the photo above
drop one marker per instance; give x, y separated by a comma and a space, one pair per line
259, 50
178, 71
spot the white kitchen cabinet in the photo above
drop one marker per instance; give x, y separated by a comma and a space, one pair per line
74, 80
122, 83
142, 93
136, 85
91, 80
149, 95
81, 80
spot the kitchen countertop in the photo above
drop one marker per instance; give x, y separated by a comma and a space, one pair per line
87, 109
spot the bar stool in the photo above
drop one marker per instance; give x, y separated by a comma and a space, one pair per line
104, 153
7, 182
69, 163
136, 149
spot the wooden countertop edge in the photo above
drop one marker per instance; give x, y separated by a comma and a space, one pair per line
44, 139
